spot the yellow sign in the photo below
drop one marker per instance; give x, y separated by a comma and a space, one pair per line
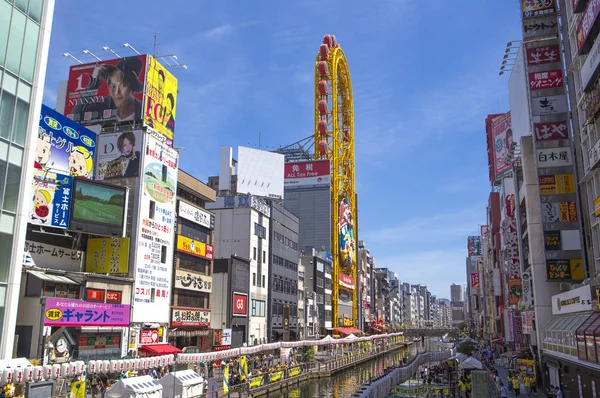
348, 322
194, 247
557, 184
54, 314
275, 376
160, 99
295, 371
78, 389
256, 381
597, 207
107, 256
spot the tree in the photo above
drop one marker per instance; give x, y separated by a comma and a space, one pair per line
308, 355
466, 347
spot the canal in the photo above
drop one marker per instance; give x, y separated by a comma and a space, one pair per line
347, 382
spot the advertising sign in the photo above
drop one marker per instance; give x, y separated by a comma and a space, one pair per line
118, 155
552, 240
346, 281
551, 130
559, 212
526, 299
149, 336
549, 105
587, 22
51, 199
597, 207
106, 91
517, 329
66, 312
575, 300
196, 215
543, 55
191, 281
515, 291
556, 184
161, 99
190, 317
540, 27
503, 145
260, 172
527, 318
221, 337
194, 247
50, 256
474, 246
594, 155
299, 174
590, 66
240, 304
64, 146
565, 270
554, 157
154, 257
545, 80
536, 8
475, 280
107, 256
346, 232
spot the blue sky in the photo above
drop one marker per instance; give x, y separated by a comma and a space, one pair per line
424, 73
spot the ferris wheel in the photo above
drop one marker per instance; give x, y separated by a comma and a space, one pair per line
334, 141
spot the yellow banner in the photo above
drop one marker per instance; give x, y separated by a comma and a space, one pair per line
275, 376
256, 381
107, 256
295, 371
78, 389
193, 247
160, 99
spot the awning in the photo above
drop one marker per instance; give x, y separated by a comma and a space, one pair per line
565, 323
160, 349
347, 331
52, 278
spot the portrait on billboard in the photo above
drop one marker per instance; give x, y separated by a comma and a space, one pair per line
106, 91
161, 98
503, 145
118, 155
346, 232
64, 146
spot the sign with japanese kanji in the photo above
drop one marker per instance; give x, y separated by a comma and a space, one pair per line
559, 212
549, 105
557, 184
535, 8
586, 24
299, 174
474, 246
65, 312
563, 270
51, 199
107, 256
56, 257
475, 279
540, 27
545, 80
594, 155
552, 240
543, 55
190, 317
554, 157
551, 130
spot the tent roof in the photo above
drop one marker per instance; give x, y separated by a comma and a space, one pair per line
471, 363
183, 377
133, 385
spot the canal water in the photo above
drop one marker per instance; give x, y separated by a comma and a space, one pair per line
347, 382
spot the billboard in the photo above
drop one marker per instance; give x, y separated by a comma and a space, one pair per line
107, 256
346, 233
551, 130
196, 215
51, 199
545, 80
190, 317
556, 184
575, 300
118, 155
474, 246
554, 157
543, 55
537, 8
161, 99
590, 66
240, 304
347, 281
549, 105
260, 173
475, 280
565, 270
191, 281
515, 291
45, 255
502, 136
194, 247
540, 27
587, 23
67, 312
154, 251
106, 91
299, 174
64, 146
559, 212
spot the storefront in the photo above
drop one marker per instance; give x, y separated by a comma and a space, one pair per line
190, 329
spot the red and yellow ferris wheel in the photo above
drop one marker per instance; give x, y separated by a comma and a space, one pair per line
334, 141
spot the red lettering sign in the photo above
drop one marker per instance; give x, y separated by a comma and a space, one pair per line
240, 304
95, 295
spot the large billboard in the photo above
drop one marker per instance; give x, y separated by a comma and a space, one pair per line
260, 173
106, 91
346, 233
299, 174
118, 155
474, 246
502, 136
161, 99
155, 246
51, 199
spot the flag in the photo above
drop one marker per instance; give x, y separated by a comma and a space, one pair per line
78, 389
244, 366
226, 379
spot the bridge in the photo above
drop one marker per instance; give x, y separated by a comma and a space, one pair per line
430, 332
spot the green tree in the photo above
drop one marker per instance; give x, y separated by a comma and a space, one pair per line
466, 347
308, 355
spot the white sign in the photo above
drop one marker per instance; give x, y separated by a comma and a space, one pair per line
537, 27
576, 300
226, 336
554, 157
55, 257
191, 281
156, 234
526, 299
197, 215
549, 105
588, 70
594, 155
260, 173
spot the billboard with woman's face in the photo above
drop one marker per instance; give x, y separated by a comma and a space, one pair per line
346, 233
118, 155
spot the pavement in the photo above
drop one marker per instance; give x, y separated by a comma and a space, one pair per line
503, 373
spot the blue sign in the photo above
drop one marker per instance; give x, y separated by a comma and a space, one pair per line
51, 199
64, 146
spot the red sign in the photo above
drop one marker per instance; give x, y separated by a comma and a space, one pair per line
474, 279
346, 281
510, 205
543, 55
95, 295
544, 80
587, 22
240, 304
113, 296
149, 336
551, 131
221, 347
307, 173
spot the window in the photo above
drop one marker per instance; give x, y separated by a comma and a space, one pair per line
263, 281
254, 255
194, 231
254, 279
5, 13
188, 298
260, 231
319, 282
20, 126
13, 179
7, 108
163, 254
264, 257
193, 263
15, 42
29, 50
152, 210
258, 308
165, 173
152, 294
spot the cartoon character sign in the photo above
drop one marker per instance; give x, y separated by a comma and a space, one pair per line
346, 232
51, 199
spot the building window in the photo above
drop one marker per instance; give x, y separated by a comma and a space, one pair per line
254, 279
258, 308
319, 282
163, 254
193, 263
188, 298
264, 260
263, 281
254, 254
194, 231
260, 231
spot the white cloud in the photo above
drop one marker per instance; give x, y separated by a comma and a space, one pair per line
215, 32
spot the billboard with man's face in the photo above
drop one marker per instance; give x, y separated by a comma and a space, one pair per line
107, 91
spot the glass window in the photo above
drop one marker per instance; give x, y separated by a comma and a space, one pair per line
24, 91
15, 42
7, 108
20, 127
5, 13
5, 249
9, 83
35, 9
22, 5
11, 194
29, 50
3, 164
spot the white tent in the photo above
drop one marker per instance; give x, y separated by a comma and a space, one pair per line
471, 363
182, 384
326, 340
350, 337
461, 357
136, 387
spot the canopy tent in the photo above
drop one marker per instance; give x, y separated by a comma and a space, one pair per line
136, 387
461, 357
158, 349
351, 337
471, 363
347, 331
182, 384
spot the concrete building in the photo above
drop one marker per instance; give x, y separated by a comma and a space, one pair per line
456, 292
317, 287
25, 34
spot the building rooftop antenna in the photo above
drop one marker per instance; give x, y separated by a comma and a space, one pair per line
170, 60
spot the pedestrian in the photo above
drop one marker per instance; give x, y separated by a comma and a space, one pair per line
516, 383
503, 391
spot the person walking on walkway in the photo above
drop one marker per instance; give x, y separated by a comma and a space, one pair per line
503, 391
516, 384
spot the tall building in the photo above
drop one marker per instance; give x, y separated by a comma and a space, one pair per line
456, 293
24, 42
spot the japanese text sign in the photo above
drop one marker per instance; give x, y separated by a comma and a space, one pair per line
538, 27
557, 184
474, 246
590, 66
535, 8
51, 199
554, 157
65, 312
240, 304
307, 173
346, 281
149, 336
190, 317
562, 270
45, 255
503, 145
194, 247
549, 105
107, 255
551, 131
587, 22
196, 215
545, 80
191, 281
160, 100
475, 279
543, 55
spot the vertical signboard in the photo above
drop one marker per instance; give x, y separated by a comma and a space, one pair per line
155, 246
160, 100
550, 127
